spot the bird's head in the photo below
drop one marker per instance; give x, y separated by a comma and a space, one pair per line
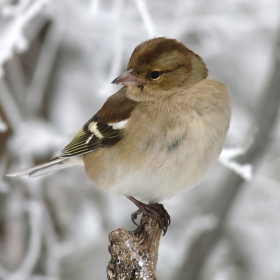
159, 67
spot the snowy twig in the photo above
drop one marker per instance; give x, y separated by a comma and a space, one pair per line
229, 154
16, 82
43, 68
117, 60
9, 105
12, 38
147, 20
94, 6
134, 254
244, 170
35, 216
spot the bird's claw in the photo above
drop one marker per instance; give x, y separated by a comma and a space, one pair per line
134, 216
154, 210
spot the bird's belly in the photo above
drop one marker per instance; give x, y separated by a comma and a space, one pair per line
154, 178
159, 166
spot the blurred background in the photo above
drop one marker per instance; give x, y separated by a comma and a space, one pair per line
57, 59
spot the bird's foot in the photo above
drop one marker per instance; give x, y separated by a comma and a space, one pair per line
154, 210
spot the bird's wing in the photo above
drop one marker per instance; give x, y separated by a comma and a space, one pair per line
104, 129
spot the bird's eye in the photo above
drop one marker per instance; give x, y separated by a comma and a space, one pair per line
154, 74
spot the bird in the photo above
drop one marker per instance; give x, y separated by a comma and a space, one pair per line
158, 135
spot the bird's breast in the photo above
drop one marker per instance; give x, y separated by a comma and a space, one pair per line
167, 148
173, 156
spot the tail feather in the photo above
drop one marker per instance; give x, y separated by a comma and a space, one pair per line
42, 169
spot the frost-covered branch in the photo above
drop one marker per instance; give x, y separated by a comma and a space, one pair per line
12, 38
146, 17
227, 159
9, 105
134, 254
44, 67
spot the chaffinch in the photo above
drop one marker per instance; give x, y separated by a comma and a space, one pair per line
158, 135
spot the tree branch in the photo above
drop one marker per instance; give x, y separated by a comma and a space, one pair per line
134, 254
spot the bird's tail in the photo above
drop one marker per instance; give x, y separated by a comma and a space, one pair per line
45, 168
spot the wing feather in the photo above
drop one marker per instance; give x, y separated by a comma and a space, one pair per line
101, 130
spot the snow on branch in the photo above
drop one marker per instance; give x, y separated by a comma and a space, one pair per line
146, 17
12, 37
227, 159
134, 254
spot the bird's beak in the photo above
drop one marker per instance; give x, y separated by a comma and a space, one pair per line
128, 78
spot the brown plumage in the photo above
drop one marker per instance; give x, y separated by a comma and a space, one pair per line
158, 135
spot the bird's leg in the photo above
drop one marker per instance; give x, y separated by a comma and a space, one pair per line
154, 210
